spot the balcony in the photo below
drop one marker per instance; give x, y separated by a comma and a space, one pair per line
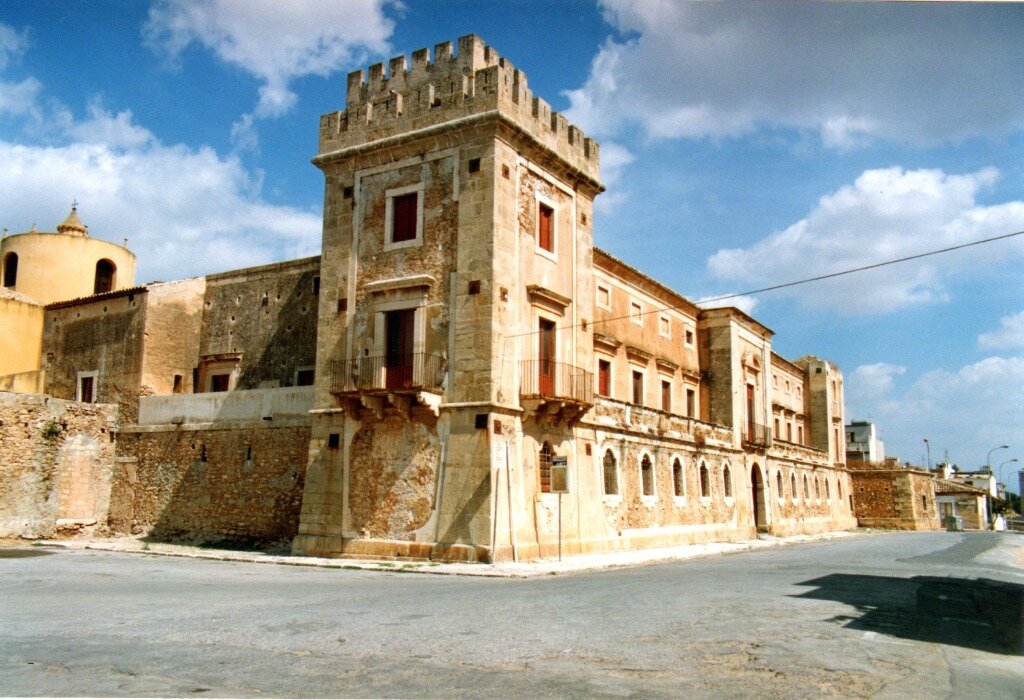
555, 391
756, 435
403, 381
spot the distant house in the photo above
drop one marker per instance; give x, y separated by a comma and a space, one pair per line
953, 498
862, 443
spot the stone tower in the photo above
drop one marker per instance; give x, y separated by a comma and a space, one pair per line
456, 289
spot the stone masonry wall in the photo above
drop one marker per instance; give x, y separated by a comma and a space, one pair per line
900, 499
241, 484
104, 335
268, 316
56, 461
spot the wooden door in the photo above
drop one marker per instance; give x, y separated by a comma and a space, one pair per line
546, 358
398, 360
760, 507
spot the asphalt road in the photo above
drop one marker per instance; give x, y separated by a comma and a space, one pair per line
909, 615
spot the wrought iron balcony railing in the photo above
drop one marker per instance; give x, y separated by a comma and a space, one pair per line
408, 372
555, 380
756, 434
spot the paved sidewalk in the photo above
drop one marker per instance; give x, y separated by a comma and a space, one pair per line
547, 567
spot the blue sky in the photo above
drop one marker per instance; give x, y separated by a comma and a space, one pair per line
743, 145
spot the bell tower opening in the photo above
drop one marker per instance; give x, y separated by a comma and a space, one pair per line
11, 270
105, 274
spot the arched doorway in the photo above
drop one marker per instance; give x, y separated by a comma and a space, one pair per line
757, 499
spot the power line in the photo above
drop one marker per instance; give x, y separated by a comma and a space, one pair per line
795, 283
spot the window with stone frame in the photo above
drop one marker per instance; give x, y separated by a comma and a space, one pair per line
87, 387
545, 227
404, 210
611, 474
638, 387
705, 482
647, 476
544, 460
604, 378
678, 479
778, 483
727, 481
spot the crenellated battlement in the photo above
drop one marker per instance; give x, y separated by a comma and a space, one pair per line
404, 98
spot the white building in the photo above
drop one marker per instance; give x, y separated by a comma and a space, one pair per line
862, 442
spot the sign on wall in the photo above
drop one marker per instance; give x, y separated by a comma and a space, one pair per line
559, 474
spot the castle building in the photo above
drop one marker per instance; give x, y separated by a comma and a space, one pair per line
461, 374
491, 386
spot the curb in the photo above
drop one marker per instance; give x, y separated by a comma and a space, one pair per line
607, 562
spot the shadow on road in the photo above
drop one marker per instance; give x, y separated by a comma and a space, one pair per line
978, 614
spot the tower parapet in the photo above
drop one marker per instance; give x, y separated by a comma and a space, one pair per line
474, 83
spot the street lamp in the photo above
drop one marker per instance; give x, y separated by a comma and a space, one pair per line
988, 459
1000, 470
929, 448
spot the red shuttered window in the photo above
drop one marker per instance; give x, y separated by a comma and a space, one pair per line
403, 221
546, 228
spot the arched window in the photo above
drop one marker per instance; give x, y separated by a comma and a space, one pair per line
11, 270
817, 488
647, 476
544, 466
705, 483
611, 474
678, 486
807, 490
839, 488
727, 481
778, 482
792, 485
105, 271
828, 492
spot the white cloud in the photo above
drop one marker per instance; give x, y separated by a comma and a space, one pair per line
19, 98
885, 214
1009, 336
12, 44
871, 382
104, 128
966, 411
274, 41
849, 71
16, 98
614, 159
742, 302
185, 211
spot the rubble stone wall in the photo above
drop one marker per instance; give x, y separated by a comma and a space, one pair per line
899, 499
56, 463
240, 484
